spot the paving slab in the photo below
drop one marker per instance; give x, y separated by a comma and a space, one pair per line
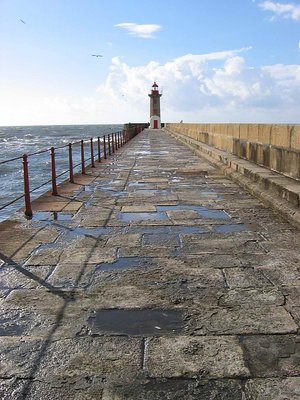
90, 287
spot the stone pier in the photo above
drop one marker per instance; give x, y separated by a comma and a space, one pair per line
153, 277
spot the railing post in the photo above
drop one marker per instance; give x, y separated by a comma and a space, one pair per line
82, 157
104, 148
109, 150
112, 143
99, 152
71, 176
92, 153
28, 210
53, 170
118, 139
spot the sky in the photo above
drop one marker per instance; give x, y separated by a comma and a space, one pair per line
214, 61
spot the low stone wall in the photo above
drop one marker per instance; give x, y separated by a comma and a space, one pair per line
274, 146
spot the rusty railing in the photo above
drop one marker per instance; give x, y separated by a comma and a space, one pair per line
105, 145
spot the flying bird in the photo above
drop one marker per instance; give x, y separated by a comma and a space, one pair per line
97, 55
22, 21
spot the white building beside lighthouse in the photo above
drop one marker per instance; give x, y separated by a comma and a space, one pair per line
155, 122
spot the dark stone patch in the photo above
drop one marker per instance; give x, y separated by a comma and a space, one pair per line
272, 355
161, 240
135, 322
13, 325
176, 389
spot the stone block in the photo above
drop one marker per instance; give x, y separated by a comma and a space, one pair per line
280, 136
245, 278
244, 128
243, 320
253, 133
295, 136
181, 356
118, 358
264, 133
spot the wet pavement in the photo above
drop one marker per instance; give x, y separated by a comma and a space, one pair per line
153, 277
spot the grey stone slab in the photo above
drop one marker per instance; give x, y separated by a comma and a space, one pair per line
272, 355
18, 358
115, 358
125, 295
148, 251
256, 297
23, 277
66, 275
286, 275
214, 246
45, 257
88, 255
182, 356
128, 240
273, 389
246, 278
242, 320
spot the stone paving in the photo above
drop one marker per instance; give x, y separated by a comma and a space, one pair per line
156, 278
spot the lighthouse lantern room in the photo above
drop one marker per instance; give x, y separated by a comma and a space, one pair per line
154, 95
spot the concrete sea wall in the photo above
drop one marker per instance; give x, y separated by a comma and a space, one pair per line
274, 146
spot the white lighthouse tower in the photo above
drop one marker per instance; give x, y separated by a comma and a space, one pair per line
155, 96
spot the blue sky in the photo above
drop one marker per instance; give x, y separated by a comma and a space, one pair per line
214, 60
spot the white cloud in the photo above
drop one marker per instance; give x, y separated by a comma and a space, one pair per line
214, 87
207, 87
285, 10
140, 30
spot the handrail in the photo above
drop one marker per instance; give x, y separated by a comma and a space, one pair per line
107, 146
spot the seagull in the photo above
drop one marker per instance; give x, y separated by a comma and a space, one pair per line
97, 55
22, 21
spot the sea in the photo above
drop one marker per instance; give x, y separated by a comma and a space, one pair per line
18, 140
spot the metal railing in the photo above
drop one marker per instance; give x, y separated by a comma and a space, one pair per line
106, 145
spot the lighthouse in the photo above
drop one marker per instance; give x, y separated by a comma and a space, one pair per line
155, 107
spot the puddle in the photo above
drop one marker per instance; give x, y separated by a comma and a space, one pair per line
137, 183
155, 191
214, 214
201, 210
118, 194
142, 216
136, 322
88, 188
51, 216
124, 263
143, 152
229, 228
